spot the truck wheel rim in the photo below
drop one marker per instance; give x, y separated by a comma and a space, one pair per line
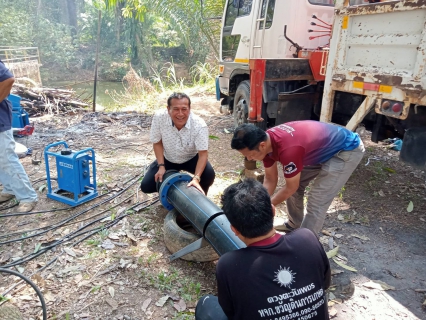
241, 112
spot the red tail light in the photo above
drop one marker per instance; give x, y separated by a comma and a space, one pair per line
397, 107
393, 108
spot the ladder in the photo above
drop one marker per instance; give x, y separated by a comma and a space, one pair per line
257, 27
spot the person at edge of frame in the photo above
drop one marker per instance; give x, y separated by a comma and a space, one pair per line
13, 177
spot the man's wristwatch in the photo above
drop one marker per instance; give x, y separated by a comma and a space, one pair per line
197, 177
161, 165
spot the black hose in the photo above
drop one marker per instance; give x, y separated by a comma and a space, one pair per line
32, 284
297, 90
42, 179
45, 211
75, 243
14, 205
14, 214
42, 228
75, 234
78, 232
70, 218
117, 219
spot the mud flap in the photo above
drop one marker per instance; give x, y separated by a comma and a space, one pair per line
217, 89
413, 149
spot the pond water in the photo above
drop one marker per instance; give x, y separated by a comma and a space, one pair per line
85, 89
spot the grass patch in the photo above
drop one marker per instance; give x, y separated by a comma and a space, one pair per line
143, 95
173, 281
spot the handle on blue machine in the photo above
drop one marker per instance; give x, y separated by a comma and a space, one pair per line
54, 145
83, 151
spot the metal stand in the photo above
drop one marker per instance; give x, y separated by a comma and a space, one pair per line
73, 175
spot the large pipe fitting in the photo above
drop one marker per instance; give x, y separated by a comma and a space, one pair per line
197, 209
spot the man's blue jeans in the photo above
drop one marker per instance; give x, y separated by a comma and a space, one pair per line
12, 174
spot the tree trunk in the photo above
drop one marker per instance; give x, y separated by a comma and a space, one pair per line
39, 8
81, 7
63, 14
147, 45
118, 22
37, 15
141, 54
72, 17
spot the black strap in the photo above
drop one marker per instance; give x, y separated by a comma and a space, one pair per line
210, 219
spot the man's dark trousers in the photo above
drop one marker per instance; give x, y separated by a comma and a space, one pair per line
148, 184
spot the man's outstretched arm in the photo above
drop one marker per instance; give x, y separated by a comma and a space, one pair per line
291, 186
271, 178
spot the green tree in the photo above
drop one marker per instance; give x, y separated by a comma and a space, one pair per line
192, 19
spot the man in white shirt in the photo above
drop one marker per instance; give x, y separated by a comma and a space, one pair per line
180, 140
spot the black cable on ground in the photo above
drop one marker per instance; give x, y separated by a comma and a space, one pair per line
33, 182
69, 223
42, 179
34, 171
32, 284
37, 212
76, 234
43, 250
79, 241
70, 218
119, 218
14, 214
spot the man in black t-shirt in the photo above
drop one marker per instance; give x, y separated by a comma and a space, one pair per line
276, 277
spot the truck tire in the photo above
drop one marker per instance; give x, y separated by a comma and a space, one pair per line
242, 106
176, 238
241, 103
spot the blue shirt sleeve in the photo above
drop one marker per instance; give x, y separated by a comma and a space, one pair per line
4, 72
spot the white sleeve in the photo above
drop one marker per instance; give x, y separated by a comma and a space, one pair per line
155, 133
202, 139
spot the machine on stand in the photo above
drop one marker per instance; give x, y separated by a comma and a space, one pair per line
76, 174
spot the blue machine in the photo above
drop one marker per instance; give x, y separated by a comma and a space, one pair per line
19, 116
73, 174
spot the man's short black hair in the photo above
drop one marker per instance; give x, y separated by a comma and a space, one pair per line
178, 96
247, 205
248, 136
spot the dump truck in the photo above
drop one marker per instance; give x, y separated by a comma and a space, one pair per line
354, 63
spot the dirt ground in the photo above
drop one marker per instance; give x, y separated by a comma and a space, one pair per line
122, 271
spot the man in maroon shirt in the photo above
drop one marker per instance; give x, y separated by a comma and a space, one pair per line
307, 150
275, 276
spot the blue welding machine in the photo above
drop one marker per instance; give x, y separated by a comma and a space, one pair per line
74, 172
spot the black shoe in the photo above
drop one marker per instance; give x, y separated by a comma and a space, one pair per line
286, 227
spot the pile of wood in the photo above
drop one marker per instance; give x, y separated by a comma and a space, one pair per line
40, 100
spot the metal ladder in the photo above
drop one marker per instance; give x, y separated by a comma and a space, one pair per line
258, 21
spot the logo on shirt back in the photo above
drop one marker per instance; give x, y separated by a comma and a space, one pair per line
286, 128
290, 168
284, 277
